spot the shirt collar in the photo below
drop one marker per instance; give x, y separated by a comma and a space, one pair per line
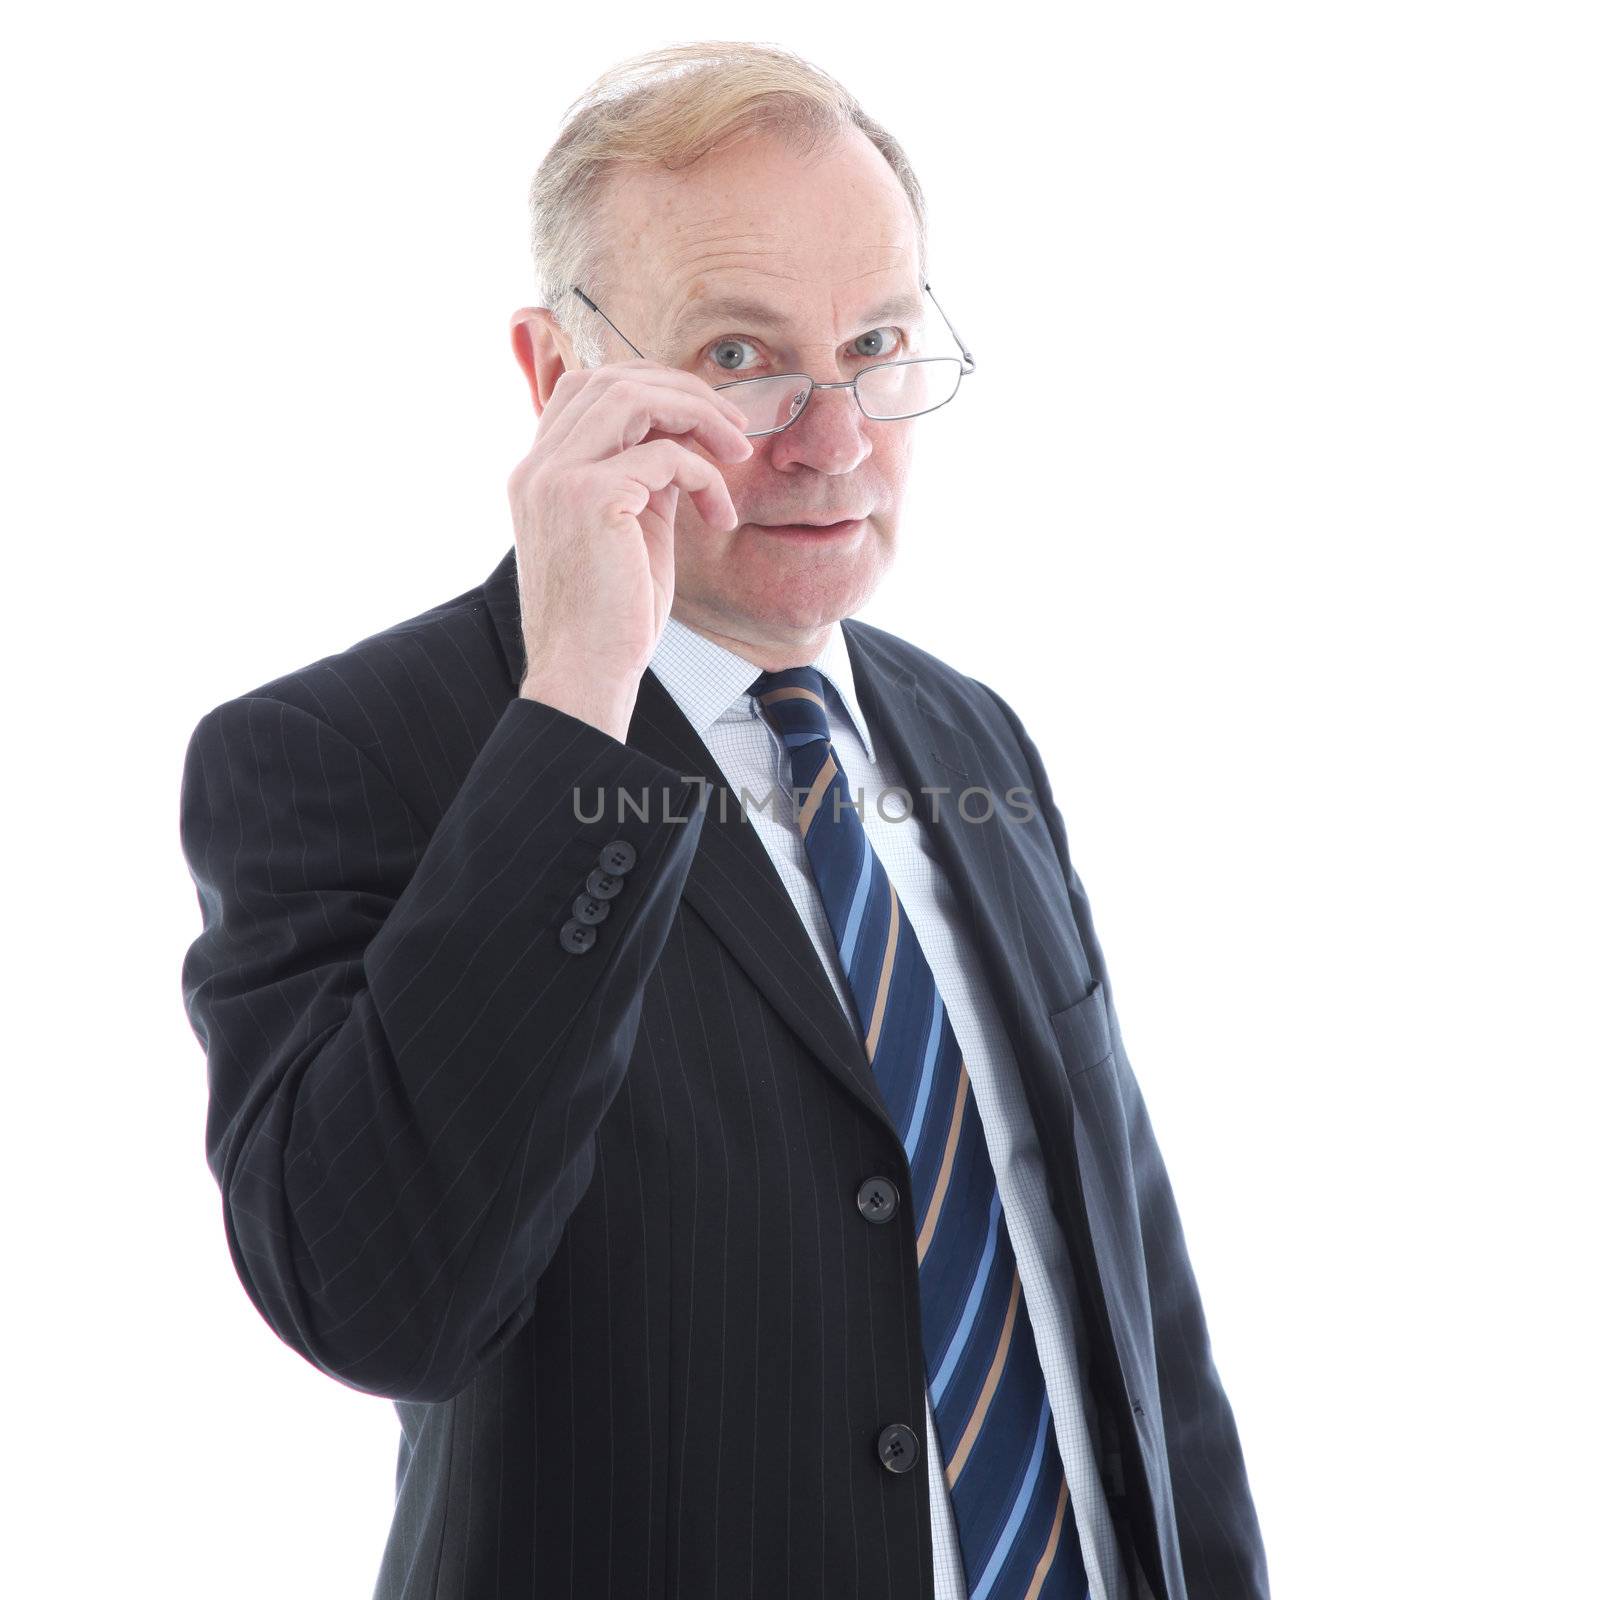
707, 680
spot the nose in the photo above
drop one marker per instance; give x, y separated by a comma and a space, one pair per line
828, 436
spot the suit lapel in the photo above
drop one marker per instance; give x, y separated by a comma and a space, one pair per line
997, 905
736, 889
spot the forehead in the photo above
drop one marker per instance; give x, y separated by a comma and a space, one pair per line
773, 239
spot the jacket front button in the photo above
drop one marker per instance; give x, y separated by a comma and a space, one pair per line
576, 936
877, 1199
898, 1447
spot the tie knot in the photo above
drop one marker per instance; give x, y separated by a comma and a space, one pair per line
792, 701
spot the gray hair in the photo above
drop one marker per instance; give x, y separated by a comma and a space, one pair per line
668, 108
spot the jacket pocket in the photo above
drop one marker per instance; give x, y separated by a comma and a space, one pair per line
1083, 1031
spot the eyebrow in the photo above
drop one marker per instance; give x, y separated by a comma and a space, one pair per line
903, 307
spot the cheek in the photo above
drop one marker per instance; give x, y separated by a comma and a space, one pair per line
740, 476
897, 452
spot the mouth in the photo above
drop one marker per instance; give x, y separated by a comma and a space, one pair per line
813, 530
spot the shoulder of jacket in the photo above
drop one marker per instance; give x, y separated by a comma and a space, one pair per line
420, 656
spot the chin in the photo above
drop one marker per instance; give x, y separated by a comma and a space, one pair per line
809, 600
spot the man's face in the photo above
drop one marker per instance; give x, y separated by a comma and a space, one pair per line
826, 244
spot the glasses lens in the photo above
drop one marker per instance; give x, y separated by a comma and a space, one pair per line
903, 388
768, 402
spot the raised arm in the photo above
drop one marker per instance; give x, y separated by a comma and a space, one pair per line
406, 1063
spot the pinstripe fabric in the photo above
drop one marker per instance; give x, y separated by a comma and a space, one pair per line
708, 684
1004, 1472
590, 1220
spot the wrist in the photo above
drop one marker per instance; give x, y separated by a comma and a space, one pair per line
604, 703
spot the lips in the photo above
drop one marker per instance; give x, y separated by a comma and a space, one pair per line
812, 530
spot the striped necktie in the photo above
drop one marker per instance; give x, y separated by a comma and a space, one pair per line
1018, 1537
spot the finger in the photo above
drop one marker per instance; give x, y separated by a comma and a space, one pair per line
586, 383
570, 402
647, 468
631, 409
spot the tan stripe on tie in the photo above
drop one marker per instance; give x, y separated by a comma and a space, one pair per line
794, 693
815, 794
936, 1204
1042, 1571
885, 972
991, 1383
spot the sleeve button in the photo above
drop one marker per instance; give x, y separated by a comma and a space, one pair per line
618, 856
576, 936
588, 910
602, 885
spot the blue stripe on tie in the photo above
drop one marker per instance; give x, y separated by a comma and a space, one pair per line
1024, 1495
858, 904
959, 1339
925, 1088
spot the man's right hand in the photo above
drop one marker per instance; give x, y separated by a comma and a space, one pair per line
593, 506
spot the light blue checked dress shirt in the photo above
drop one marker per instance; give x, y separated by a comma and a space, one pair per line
708, 683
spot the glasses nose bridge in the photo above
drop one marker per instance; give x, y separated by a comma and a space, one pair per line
814, 385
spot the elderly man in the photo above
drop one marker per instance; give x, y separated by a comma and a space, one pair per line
656, 1034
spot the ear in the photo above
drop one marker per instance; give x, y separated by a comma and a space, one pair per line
543, 351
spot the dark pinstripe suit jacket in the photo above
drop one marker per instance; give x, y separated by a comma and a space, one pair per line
590, 1218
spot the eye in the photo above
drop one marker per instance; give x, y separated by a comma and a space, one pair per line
878, 345
729, 348
877, 340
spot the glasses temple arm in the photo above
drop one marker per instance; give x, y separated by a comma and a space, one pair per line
618, 331
961, 344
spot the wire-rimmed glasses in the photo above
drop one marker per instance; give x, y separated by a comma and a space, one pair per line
887, 391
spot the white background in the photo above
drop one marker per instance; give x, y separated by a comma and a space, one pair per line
1270, 507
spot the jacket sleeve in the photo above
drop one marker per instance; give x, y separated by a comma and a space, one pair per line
406, 1067
1218, 1531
